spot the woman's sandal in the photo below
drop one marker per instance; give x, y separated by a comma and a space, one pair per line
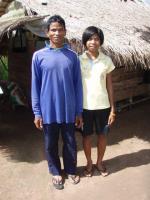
57, 183
87, 172
102, 170
74, 179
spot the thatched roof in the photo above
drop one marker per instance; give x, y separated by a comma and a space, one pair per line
126, 25
10, 24
3, 6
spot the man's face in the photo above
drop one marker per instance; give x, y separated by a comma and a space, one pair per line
56, 34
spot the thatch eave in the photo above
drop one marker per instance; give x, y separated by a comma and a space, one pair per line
8, 25
126, 26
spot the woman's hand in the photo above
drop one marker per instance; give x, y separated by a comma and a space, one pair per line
111, 118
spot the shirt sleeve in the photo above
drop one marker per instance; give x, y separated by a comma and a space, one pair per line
78, 87
36, 87
110, 65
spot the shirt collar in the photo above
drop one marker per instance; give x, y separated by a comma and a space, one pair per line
48, 45
84, 55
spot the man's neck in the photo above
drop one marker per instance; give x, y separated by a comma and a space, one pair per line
56, 46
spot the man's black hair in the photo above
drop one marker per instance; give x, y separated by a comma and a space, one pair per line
56, 18
89, 32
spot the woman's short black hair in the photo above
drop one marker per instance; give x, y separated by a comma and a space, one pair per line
56, 18
89, 32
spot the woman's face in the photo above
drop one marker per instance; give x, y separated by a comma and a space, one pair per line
93, 44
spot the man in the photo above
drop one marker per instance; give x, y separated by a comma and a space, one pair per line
57, 100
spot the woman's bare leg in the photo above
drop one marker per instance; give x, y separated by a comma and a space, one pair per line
101, 147
87, 151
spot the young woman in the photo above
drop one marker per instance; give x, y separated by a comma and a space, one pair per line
98, 101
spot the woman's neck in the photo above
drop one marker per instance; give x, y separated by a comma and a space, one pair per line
92, 55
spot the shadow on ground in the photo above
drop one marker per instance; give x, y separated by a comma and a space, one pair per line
21, 142
121, 162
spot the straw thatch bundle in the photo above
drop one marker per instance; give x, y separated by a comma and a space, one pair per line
126, 26
3, 6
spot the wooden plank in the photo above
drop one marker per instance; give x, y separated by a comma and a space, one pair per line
128, 83
130, 92
119, 75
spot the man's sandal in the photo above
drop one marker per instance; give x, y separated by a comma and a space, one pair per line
57, 183
74, 179
102, 170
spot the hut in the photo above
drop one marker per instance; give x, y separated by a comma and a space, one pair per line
126, 27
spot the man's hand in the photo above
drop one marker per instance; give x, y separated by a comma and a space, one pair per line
38, 123
79, 122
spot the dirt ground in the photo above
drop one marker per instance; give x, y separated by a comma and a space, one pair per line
24, 172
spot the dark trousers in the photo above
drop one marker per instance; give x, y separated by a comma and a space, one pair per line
51, 135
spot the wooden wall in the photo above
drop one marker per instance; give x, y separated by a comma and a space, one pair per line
19, 69
128, 83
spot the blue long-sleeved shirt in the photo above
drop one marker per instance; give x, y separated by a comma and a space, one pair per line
56, 85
